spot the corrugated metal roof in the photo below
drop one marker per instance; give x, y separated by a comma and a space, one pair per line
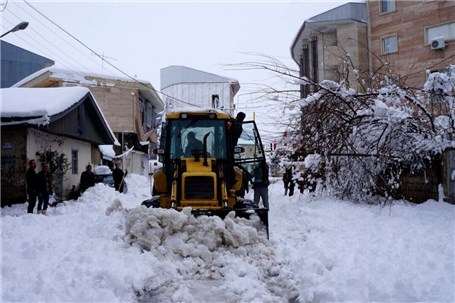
352, 10
175, 74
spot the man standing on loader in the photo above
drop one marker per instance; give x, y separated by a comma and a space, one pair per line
235, 127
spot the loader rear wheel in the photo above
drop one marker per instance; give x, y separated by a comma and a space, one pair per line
153, 202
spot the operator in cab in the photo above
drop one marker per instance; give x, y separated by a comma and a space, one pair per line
193, 144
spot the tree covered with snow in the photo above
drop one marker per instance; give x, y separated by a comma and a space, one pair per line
367, 138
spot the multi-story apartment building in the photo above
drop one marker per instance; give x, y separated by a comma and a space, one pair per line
406, 40
333, 46
411, 38
403, 40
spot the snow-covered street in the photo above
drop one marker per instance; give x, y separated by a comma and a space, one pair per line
105, 248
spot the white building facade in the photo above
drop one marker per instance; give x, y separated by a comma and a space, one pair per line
184, 87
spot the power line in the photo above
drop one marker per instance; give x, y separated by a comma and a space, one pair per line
101, 57
56, 34
90, 49
38, 44
86, 46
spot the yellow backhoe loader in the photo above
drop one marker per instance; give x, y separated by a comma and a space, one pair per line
201, 167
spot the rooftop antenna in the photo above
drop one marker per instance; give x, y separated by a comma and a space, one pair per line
103, 58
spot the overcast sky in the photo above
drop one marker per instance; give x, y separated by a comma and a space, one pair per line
142, 37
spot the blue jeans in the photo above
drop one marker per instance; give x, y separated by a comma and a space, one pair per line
261, 192
43, 198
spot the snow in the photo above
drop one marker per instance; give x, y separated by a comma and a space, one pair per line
102, 170
40, 104
105, 247
79, 77
194, 109
36, 102
107, 151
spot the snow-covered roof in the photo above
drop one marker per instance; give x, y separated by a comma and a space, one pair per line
89, 79
194, 109
77, 76
37, 106
39, 102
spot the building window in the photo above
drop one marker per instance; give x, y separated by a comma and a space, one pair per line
215, 101
446, 31
389, 44
386, 6
74, 162
305, 71
314, 58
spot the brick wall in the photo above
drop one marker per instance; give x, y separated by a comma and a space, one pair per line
408, 22
117, 106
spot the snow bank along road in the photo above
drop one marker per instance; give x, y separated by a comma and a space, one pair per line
104, 247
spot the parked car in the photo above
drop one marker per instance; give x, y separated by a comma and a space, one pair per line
103, 174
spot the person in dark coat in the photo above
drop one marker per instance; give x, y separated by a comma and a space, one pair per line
235, 127
234, 130
87, 179
44, 188
286, 178
118, 176
291, 187
291, 180
32, 185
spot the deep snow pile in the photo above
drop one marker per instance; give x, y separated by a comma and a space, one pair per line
105, 247
233, 253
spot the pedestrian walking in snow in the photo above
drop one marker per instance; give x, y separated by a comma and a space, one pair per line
261, 184
119, 177
44, 188
291, 188
87, 179
287, 177
32, 185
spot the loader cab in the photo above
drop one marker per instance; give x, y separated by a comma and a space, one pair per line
210, 132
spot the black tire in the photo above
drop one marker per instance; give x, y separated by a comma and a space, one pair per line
151, 203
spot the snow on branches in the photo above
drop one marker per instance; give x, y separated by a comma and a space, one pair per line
368, 138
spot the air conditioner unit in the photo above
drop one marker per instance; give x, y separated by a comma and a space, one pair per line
438, 43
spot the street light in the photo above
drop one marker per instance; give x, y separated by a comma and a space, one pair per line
20, 26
